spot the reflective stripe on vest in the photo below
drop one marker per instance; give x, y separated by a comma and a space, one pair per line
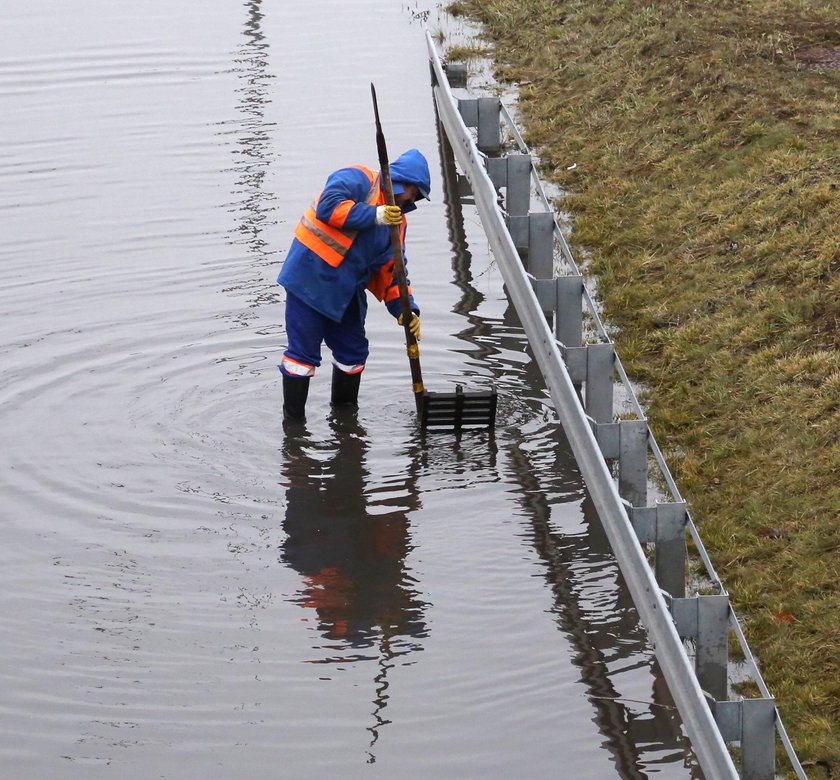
330, 243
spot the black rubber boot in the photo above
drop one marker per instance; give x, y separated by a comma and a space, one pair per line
295, 390
345, 388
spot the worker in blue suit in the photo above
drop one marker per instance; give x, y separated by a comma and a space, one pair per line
341, 248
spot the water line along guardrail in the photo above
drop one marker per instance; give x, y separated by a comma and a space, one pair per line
582, 379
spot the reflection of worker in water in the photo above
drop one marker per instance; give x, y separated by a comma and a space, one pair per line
352, 562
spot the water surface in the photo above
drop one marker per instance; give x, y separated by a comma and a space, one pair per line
187, 592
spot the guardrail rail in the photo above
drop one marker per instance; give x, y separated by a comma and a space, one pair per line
584, 377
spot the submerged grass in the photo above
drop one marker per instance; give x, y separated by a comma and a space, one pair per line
706, 188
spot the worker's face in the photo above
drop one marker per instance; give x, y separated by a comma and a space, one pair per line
410, 193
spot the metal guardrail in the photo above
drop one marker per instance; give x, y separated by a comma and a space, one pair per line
581, 378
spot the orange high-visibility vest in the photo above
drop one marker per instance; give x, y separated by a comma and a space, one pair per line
381, 282
328, 242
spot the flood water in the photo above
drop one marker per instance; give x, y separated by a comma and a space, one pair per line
188, 593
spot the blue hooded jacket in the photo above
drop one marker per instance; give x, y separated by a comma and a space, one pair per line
411, 168
329, 289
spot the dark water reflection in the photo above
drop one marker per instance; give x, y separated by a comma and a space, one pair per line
253, 135
350, 554
351, 559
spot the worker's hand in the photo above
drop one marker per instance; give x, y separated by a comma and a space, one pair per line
413, 325
388, 215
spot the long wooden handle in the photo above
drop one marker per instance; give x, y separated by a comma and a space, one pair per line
399, 263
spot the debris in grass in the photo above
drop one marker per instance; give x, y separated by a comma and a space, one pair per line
818, 57
773, 533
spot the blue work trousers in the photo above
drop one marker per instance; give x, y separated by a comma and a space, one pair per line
307, 329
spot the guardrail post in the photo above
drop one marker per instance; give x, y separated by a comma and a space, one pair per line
713, 644
518, 195
513, 172
600, 359
758, 740
752, 722
633, 461
463, 188
540, 257
593, 364
663, 526
489, 131
705, 619
671, 520
626, 441
468, 109
485, 114
456, 73
568, 310
519, 229
563, 295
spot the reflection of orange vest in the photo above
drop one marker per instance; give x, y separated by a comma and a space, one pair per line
330, 243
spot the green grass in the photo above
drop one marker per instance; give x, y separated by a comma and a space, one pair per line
466, 53
706, 187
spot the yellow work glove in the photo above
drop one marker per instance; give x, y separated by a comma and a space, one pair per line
388, 215
413, 325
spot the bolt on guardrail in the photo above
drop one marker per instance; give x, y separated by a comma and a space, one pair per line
582, 378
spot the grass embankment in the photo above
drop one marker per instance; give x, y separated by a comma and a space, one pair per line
707, 190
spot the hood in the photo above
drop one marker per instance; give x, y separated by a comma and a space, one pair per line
411, 168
